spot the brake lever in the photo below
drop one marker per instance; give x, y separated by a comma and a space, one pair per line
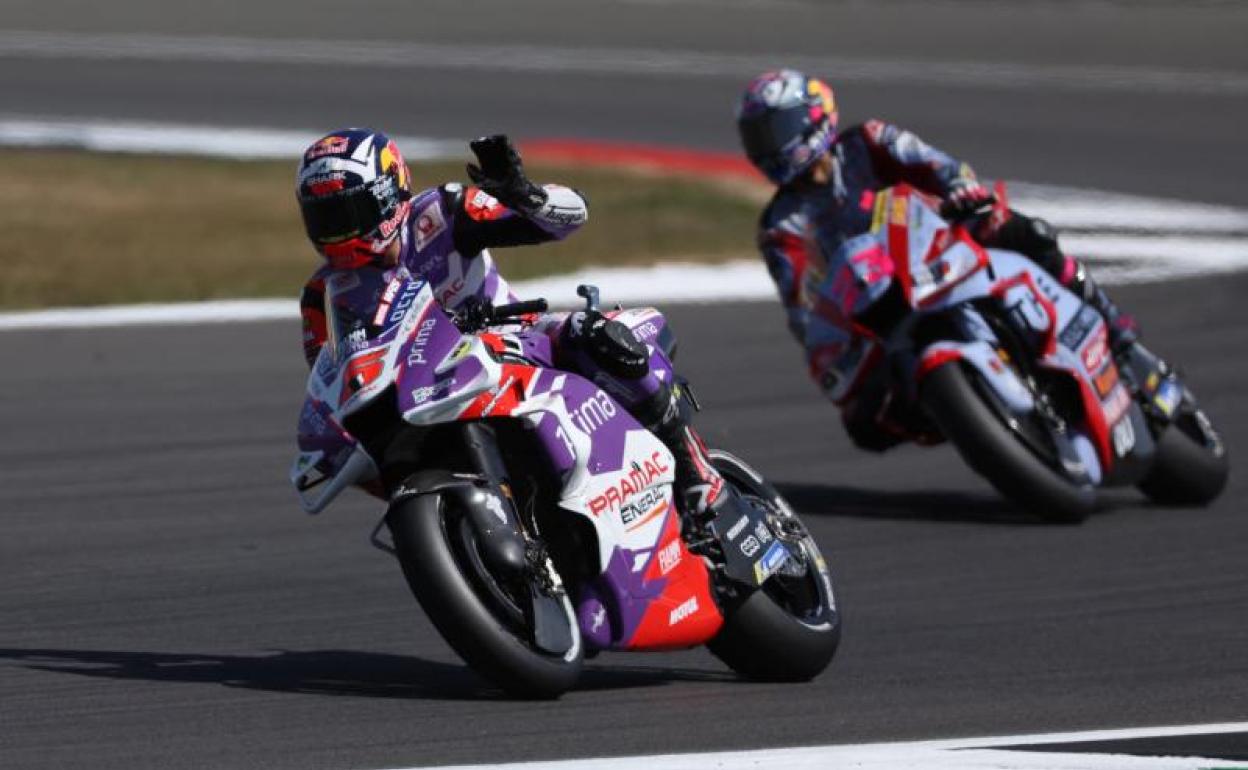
590, 293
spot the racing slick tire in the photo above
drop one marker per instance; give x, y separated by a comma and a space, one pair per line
780, 632
1188, 470
478, 615
994, 452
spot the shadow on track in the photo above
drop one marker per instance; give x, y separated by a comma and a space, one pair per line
831, 500
325, 672
976, 507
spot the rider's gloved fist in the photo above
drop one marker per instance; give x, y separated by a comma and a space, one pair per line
965, 198
501, 174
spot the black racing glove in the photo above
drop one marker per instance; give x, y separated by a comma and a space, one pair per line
965, 199
501, 174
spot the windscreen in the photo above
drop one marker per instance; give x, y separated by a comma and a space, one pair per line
362, 305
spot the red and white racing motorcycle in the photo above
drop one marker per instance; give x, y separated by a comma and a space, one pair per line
984, 348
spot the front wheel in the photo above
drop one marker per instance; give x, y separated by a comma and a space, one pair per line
787, 630
997, 453
1191, 466
483, 616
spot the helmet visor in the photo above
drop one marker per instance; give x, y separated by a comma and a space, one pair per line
769, 137
354, 213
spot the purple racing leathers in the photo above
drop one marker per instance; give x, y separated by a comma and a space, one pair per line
445, 242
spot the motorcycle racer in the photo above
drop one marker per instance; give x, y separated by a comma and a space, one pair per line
360, 212
826, 183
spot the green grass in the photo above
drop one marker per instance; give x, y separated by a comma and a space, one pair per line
88, 229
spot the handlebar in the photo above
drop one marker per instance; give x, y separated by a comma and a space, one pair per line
514, 309
951, 214
477, 314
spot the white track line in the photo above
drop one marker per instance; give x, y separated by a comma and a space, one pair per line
184, 139
1176, 239
956, 754
605, 61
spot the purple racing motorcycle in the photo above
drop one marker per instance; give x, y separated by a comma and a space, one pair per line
532, 515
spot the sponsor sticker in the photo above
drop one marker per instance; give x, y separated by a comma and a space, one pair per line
1169, 396
1106, 380
1123, 437
1096, 352
763, 533
750, 546
400, 305
771, 561
684, 610
737, 528
417, 354
330, 145
669, 557
646, 331
430, 392
429, 224
897, 216
637, 508
594, 412
482, 206
1117, 405
640, 476
1073, 335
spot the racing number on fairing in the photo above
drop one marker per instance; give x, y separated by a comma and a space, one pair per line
1027, 308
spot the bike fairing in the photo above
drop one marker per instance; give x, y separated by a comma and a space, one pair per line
443, 252
935, 267
611, 466
804, 223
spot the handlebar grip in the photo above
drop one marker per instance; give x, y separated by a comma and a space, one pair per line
951, 213
514, 309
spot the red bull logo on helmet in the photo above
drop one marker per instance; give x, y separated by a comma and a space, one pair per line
330, 145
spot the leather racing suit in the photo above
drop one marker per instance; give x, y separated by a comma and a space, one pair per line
805, 223
446, 239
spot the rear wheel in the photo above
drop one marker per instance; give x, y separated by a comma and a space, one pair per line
995, 452
1191, 466
482, 615
789, 629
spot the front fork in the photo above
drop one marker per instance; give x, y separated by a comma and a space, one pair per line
509, 545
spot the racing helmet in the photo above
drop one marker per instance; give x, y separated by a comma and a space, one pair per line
354, 192
787, 121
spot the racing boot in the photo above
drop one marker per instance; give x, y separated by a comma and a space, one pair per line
1124, 331
700, 489
1149, 376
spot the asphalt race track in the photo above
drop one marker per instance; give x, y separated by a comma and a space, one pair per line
163, 603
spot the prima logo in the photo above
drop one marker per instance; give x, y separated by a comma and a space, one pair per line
594, 412
417, 354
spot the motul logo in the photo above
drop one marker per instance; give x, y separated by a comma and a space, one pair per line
686, 609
